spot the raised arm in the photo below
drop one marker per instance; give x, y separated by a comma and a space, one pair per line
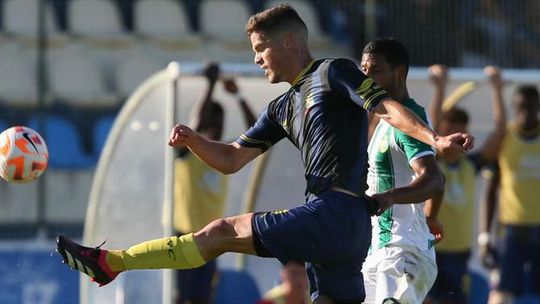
429, 182
403, 119
490, 149
230, 86
226, 158
438, 76
211, 72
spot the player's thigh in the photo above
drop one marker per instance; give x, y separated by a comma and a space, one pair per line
534, 258
406, 278
512, 257
231, 234
369, 272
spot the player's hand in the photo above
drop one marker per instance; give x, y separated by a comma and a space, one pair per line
211, 71
487, 256
436, 228
438, 74
180, 136
494, 75
230, 85
385, 201
460, 142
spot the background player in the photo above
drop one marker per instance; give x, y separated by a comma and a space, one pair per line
460, 170
519, 215
401, 265
200, 191
324, 115
293, 288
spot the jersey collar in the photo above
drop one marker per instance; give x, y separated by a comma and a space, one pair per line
302, 73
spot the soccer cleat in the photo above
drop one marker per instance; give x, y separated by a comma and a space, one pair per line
90, 261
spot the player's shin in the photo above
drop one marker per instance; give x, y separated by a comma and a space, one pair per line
171, 252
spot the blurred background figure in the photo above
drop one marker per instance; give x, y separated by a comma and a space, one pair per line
518, 238
457, 210
200, 191
293, 288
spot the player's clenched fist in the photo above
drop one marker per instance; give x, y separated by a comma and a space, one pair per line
180, 135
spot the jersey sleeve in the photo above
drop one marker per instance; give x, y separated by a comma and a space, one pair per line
412, 147
263, 134
346, 78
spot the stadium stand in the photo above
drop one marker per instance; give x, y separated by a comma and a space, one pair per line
222, 24
64, 143
75, 79
133, 69
101, 131
3, 126
171, 38
98, 26
18, 83
236, 287
19, 18
83, 14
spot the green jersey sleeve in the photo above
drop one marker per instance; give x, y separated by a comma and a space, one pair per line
411, 147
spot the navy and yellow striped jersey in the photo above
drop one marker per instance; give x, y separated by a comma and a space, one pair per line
324, 115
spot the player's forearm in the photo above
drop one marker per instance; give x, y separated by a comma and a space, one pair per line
433, 205
405, 120
249, 116
435, 107
487, 211
422, 188
499, 112
217, 155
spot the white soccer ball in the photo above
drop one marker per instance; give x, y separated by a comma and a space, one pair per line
23, 155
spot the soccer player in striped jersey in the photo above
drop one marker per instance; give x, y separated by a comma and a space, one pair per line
324, 115
400, 267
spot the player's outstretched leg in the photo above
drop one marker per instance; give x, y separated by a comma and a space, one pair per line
175, 252
90, 261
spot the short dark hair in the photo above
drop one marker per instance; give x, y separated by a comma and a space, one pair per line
456, 115
528, 92
393, 51
276, 20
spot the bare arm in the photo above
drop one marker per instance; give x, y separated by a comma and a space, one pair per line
431, 210
439, 77
226, 158
211, 73
249, 116
403, 119
487, 212
490, 149
429, 182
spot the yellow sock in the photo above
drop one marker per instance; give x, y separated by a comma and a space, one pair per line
115, 261
171, 252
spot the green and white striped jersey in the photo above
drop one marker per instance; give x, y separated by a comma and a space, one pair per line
390, 155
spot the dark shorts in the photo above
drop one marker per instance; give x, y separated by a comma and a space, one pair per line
196, 283
519, 259
331, 233
449, 284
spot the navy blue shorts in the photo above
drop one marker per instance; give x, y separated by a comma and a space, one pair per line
196, 283
452, 269
331, 233
520, 250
